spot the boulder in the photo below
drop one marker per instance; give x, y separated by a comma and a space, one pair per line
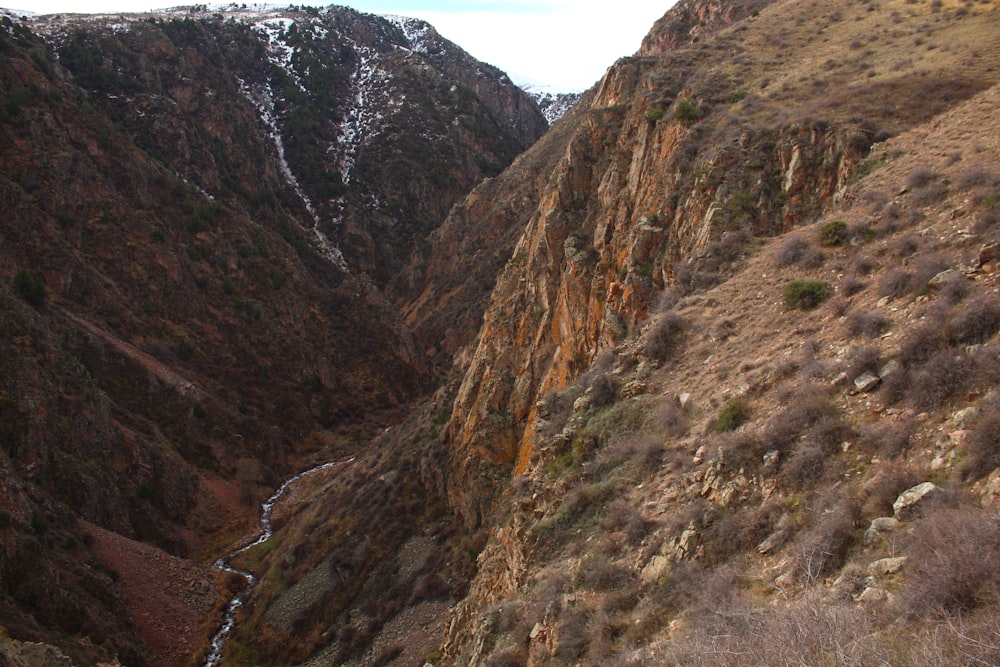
912, 502
879, 526
886, 566
866, 382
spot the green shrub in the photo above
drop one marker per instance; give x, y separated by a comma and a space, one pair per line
30, 287
805, 294
39, 523
686, 112
654, 115
158, 236
145, 490
732, 415
5, 519
184, 350
833, 233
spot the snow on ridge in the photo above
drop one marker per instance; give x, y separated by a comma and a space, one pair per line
263, 99
416, 31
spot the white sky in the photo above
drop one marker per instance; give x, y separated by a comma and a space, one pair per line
566, 44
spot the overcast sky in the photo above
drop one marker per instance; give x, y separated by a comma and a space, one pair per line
566, 44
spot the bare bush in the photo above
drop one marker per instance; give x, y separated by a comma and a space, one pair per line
822, 546
977, 322
669, 419
870, 323
954, 562
983, 444
798, 249
919, 177
851, 285
895, 282
888, 438
929, 194
944, 376
920, 342
665, 335
862, 359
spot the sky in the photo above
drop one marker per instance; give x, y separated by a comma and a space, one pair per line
564, 44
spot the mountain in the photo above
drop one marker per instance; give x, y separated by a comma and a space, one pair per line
209, 215
704, 375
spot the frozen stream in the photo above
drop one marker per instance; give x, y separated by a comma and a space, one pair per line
229, 615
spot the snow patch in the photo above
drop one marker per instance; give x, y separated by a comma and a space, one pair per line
262, 97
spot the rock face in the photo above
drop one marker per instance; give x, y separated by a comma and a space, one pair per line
639, 200
209, 219
912, 502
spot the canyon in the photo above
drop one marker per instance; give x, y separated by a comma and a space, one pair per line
702, 372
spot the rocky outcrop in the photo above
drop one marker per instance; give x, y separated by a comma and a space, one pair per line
691, 20
639, 201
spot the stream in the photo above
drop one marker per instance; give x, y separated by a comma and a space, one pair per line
265, 533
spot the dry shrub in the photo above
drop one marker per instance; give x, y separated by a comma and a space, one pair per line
919, 177
669, 419
983, 444
978, 176
905, 245
823, 546
870, 323
977, 322
895, 282
954, 562
929, 194
572, 635
851, 285
665, 335
943, 377
798, 249
739, 532
862, 359
806, 404
922, 341
888, 438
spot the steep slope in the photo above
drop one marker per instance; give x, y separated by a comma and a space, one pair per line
679, 162
200, 210
637, 528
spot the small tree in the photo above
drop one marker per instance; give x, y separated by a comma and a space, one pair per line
30, 287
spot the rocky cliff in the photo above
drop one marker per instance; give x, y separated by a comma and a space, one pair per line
731, 126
